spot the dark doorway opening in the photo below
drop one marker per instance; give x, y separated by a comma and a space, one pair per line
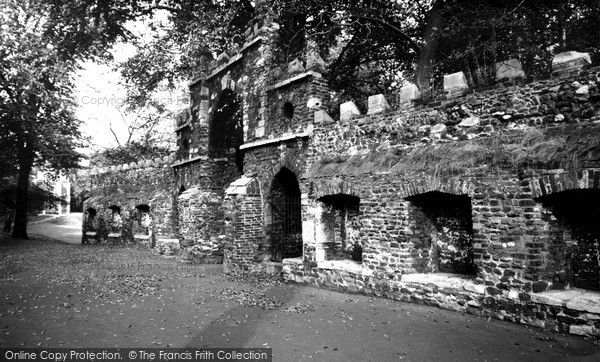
575, 234
285, 230
226, 133
443, 222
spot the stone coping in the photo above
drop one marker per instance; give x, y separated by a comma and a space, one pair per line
141, 236
198, 158
163, 240
179, 128
297, 261
114, 235
283, 138
576, 299
232, 60
350, 266
446, 281
293, 79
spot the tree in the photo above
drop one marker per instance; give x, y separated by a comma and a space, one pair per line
40, 44
133, 151
370, 46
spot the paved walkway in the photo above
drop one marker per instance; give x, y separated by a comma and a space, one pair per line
66, 228
59, 295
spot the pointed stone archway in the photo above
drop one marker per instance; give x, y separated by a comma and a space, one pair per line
285, 221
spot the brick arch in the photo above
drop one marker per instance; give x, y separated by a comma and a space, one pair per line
453, 186
565, 180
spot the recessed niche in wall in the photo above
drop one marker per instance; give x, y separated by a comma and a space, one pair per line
574, 239
90, 213
115, 209
143, 208
443, 226
341, 226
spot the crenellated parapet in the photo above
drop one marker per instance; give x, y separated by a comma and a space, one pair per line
158, 162
560, 103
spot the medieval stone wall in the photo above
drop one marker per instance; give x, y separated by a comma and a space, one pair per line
543, 104
130, 203
374, 193
513, 249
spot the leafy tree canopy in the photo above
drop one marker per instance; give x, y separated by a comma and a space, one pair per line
371, 46
40, 45
39, 198
133, 151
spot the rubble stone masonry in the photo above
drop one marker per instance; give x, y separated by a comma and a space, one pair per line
483, 203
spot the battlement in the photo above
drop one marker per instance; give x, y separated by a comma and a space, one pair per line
254, 34
158, 162
561, 100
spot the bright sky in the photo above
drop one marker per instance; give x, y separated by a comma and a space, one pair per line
100, 96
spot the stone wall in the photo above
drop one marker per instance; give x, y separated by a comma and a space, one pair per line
130, 203
201, 226
508, 267
543, 104
377, 195
567, 312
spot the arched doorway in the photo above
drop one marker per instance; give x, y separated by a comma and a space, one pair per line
226, 133
285, 230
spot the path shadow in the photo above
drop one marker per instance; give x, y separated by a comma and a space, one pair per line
235, 327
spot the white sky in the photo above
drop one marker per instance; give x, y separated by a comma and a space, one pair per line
100, 94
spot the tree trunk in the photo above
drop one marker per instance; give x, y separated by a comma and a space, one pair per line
423, 76
426, 53
25, 165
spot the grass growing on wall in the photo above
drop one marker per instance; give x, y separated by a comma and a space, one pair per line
533, 148
527, 149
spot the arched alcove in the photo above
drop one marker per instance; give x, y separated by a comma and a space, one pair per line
115, 209
143, 208
90, 214
285, 229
